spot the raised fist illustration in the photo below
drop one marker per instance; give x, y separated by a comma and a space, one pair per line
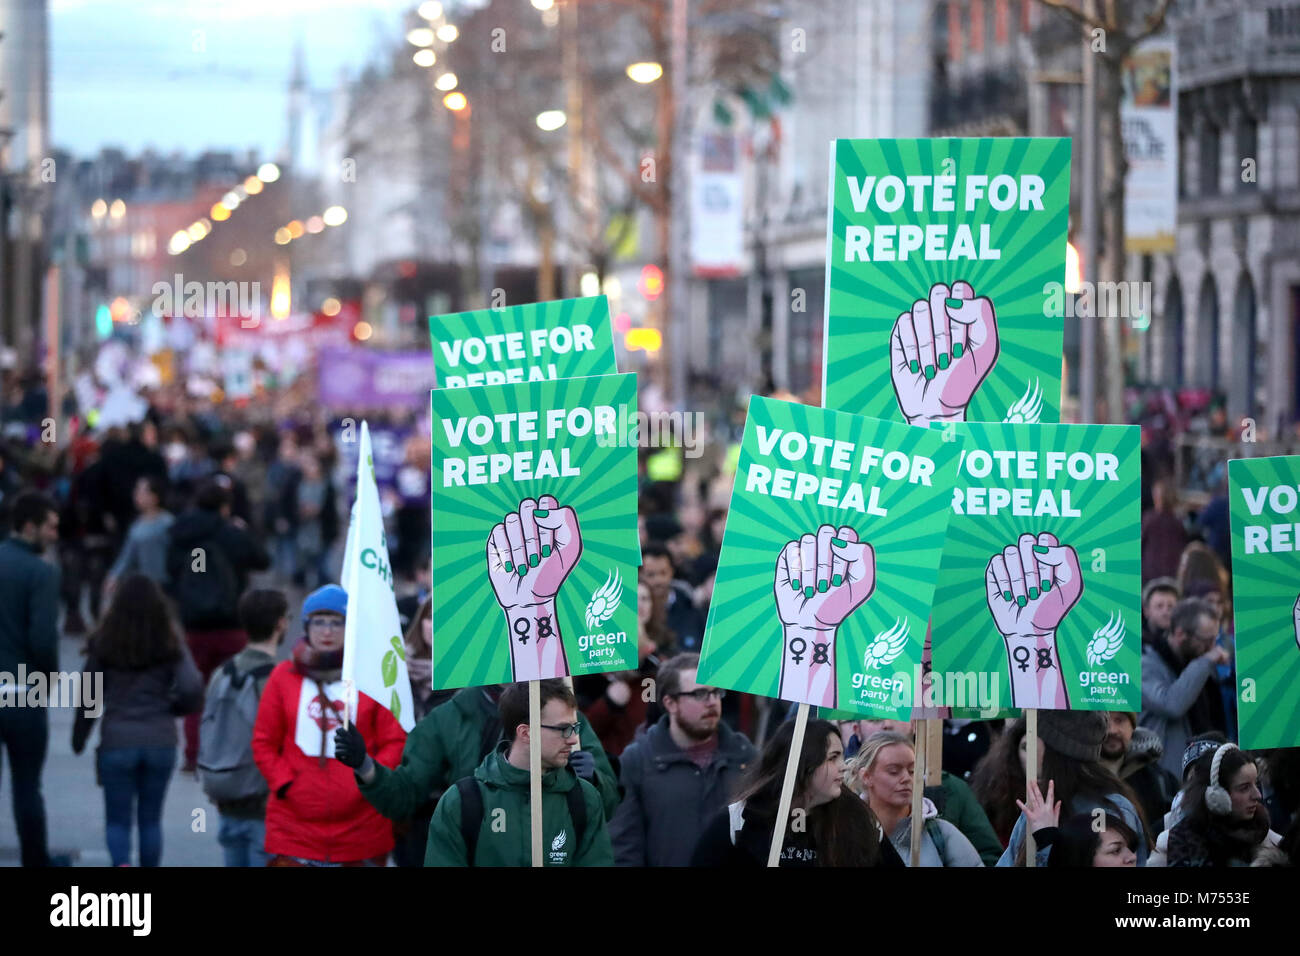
1031, 586
529, 555
941, 351
820, 580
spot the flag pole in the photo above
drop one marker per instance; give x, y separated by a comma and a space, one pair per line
535, 766
787, 786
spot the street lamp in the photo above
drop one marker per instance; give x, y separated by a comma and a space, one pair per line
455, 101
430, 10
425, 57
447, 33
268, 172
646, 72
446, 82
334, 216
549, 120
420, 36
543, 5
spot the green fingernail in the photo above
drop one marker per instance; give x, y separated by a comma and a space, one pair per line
1021, 600
796, 585
929, 372
943, 360
914, 365
522, 570
532, 560
1033, 594
837, 580
1041, 549
1047, 585
1006, 595
822, 587
510, 566
839, 543
954, 303
957, 349
546, 550
541, 513
808, 591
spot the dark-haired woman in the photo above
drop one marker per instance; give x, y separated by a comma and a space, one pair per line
828, 826
1077, 843
1224, 820
149, 681
1070, 742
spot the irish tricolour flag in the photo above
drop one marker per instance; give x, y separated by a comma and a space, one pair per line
374, 659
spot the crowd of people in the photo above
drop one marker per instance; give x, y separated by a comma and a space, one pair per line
194, 551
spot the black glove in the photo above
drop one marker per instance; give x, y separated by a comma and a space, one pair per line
583, 763
350, 746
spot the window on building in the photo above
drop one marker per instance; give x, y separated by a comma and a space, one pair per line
1247, 149
977, 25
1208, 156
1003, 21
954, 31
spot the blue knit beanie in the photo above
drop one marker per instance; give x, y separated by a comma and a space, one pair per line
329, 598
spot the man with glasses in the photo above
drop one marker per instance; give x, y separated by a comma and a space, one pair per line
1179, 697
679, 774
485, 820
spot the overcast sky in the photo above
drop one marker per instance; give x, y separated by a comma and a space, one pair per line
191, 75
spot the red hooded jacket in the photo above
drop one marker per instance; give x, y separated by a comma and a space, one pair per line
323, 815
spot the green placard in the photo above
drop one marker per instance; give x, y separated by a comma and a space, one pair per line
829, 559
541, 341
1039, 600
1266, 598
945, 272
534, 498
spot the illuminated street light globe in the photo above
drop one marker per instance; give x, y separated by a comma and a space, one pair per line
455, 101
425, 57
420, 36
430, 10
543, 5
644, 72
551, 120
335, 216
446, 82
268, 172
447, 33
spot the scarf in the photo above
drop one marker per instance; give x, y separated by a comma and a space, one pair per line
323, 667
1224, 841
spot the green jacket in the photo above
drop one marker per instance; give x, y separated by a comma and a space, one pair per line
449, 743
504, 839
962, 810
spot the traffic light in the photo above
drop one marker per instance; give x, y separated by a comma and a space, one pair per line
651, 283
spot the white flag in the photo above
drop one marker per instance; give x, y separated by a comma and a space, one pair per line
374, 658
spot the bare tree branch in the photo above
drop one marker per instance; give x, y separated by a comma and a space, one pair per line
1078, 15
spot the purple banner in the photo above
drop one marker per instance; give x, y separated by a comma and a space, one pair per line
358, 377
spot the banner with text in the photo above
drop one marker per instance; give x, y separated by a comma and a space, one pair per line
829, 559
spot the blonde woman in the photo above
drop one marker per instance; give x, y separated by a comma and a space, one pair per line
883, 774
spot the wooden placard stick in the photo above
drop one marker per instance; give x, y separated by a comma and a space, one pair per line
535, 765
787, 786
1031, 777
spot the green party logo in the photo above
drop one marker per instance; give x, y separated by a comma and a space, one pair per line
942, 255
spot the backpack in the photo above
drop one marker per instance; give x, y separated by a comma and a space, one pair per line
471, 814
226, 767
205, 598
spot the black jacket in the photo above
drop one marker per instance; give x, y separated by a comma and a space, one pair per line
194, 529
668, 799
754, 839
29, 609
